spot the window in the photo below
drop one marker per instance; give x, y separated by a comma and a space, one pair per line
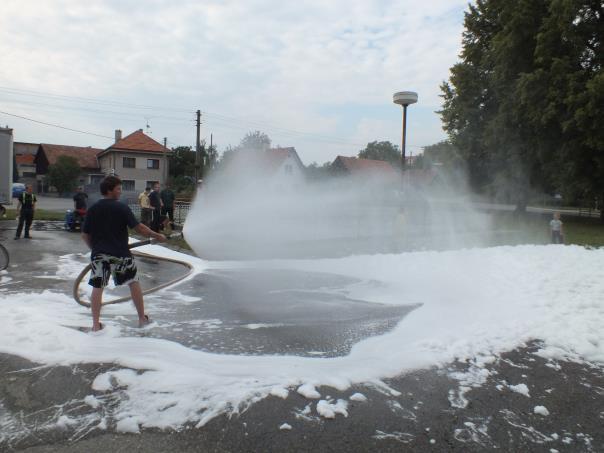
129, 162
151, 184
128, 185
288, 169
153, 163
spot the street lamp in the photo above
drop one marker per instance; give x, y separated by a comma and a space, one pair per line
404, 98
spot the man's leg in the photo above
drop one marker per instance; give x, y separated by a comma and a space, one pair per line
95, 305
171, 217
137, 297
29, 218
20, 226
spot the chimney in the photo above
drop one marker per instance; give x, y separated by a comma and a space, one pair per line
118, 135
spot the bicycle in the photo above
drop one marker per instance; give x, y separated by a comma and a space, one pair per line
4, 258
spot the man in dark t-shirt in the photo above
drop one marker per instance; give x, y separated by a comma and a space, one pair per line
156, 205
105, 231
80, 199
167, 198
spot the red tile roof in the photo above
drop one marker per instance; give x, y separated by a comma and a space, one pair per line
25, 159
25, 148
138, 141
267, 161
274, 157
357, 166
86, 157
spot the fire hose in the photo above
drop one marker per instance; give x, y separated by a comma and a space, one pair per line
78, 280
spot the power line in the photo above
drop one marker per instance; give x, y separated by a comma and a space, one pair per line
228, 121
130, 115
55, 125
33, 93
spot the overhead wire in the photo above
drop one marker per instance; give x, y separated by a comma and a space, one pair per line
216, 119
55, 125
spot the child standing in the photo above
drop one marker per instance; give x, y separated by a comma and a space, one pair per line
555, 226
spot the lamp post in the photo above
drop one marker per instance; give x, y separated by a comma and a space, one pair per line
404, 98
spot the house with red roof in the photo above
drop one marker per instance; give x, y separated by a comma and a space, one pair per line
278, 168
137, 159
25, 167
48, 154
364, 168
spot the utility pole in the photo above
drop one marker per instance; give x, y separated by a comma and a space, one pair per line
198, 157
166, 171
211, 145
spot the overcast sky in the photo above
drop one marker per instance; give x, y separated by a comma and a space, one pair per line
313, 74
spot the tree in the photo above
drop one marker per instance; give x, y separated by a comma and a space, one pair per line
211, 158
523, 104
385, 151
63, 175
182, 161
564, 98
315, 172
255, 141
444, 153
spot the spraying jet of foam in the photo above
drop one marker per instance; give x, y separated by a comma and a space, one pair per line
243, 214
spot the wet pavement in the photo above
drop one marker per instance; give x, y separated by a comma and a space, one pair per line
270, 311
244, 311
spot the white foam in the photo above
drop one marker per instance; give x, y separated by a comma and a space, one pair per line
520, 388
474, 304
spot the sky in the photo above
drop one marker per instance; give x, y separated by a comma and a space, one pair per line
315, 75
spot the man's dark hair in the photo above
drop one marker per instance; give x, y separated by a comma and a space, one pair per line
109, 183
147, 188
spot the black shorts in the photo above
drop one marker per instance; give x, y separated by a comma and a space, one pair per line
123, 270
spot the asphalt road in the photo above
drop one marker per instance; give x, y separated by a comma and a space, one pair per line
422, 411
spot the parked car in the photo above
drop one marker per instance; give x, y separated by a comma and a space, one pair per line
18, 189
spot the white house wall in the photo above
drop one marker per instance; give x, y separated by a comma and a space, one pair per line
140, 173
282, 180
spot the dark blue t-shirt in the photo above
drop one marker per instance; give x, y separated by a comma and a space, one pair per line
154, 200
107, 223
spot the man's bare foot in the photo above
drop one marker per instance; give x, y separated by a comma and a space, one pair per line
97, 328
144, 321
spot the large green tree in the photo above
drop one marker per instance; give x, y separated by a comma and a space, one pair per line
385, 151
182, 162
63, 174
443, 153
522, 104
255, 141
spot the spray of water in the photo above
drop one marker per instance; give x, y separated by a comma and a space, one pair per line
246, 212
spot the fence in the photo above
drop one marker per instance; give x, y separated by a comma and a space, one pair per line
181, 210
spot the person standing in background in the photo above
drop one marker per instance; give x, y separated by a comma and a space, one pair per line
555, 226
80, 202
156, 206
143, 201
167, 198
25, 209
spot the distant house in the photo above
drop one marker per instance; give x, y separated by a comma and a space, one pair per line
278, 168
25, 167
364, 168
86, 157
137, 159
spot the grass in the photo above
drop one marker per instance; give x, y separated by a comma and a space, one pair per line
531, 228
583, 231
39, 214
534, 228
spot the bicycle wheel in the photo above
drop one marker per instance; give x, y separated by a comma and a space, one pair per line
3, 258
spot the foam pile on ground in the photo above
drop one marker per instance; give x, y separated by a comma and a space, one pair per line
474, 303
